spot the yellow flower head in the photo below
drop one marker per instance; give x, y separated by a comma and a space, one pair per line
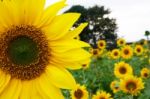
36, 48
95, 52
101, 44
79, 92
145, 73
145, 42
139, 50
115, 54
126, 52
115, 86
102, 95
122, 69
121, 42
131, 85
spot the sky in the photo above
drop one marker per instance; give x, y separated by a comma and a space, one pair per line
132, 16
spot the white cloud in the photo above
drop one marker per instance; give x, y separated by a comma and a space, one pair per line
132, 16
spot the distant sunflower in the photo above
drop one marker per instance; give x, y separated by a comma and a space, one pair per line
94, 52
115, 54
101, 44
102, 95
121, 42
79, 92
145, 73
122, 69
36, 47
115, 86
145, 42
132, 85
138, 50
126, 52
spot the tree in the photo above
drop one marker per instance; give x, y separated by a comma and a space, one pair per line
100, 25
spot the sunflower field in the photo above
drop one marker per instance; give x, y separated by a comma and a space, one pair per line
122, 73
42, 57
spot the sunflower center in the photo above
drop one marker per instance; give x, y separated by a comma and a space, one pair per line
122, 70
145, 75
116, 53
95, 52
102, 98
126, 52
101, 44
121, 42
24, 52
78, 94
138, 50
131, 85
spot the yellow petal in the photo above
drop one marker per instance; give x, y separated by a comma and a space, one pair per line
32, 10
4, 80
73, 55
50, 13
12, 91
74, 33
47, 89
65, 45
26, 90
60, 77
60, 25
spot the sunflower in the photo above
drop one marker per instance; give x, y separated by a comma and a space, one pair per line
115, 54
115, 86
121, 42
131, 85
145, 42
79, 92
95, 52
36, 48
126, 52
101, 44
122, 69
138, 49
145, 73
102, 95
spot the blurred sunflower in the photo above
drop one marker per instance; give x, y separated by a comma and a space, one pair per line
145, 42
115, 86
95, 52
138, 50
101, 44
115, 54
102, 95
131, 85
122, 69
145, 73
36, 47
126, 52
121, 42
79, 92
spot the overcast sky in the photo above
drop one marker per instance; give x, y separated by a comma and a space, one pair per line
133, 16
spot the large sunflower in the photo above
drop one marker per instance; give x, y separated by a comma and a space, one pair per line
127, 52
131, 85
79, 92
122, 69
102, 95
36, 47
